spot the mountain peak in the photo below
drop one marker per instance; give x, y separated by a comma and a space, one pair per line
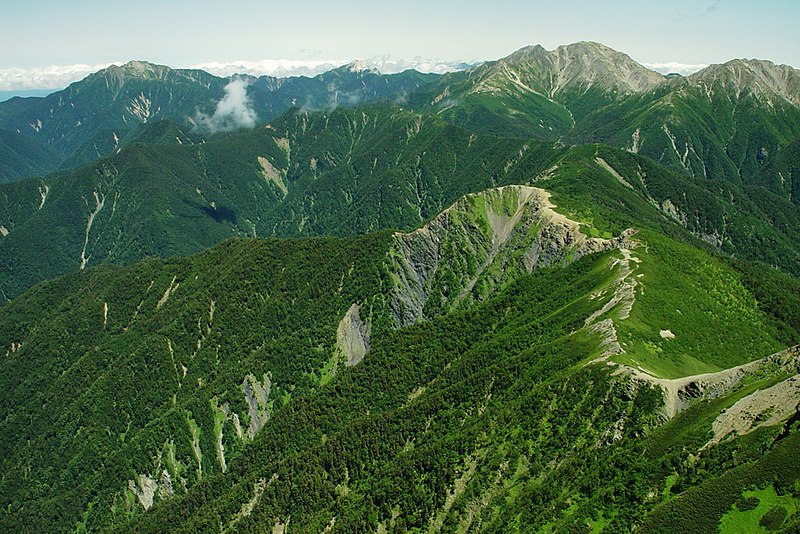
359, 66
578, 65
596, 64
757, 77
140, 69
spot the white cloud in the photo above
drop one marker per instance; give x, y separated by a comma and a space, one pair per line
234, 110
270, 67
684, 69
312, 67
53, 77
440, 66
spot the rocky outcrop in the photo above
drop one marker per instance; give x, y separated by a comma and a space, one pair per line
680, 393
258, 406
479, 244
764, 407
144, 488
352, 336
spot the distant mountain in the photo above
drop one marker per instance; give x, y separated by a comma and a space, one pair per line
94, 117
724, 123
115, 99
537, 93
341, 172
731, 123
766, 82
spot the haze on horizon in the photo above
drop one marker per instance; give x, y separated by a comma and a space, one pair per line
48, 44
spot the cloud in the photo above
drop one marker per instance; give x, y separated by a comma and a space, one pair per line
387, 65
234, 111
684, 69
51, 77
270, 67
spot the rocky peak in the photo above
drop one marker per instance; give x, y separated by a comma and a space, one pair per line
588, 63
358, 66
579, 66
762, 79
479, 244
139, 69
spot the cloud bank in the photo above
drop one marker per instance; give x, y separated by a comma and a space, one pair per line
52, 77
234, 111
684, 69
299, 67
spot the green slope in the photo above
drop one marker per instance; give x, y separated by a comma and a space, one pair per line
195, 386
166, 193
94, 117
344, 172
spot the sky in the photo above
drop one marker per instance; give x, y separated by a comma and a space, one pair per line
46, 44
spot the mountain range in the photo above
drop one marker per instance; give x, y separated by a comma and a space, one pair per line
556, 292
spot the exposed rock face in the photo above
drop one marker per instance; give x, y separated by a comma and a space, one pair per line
273, 175
578, 66
764, 407
680, 393
145, 489
762, 79
258, 406
352, 336
482, 242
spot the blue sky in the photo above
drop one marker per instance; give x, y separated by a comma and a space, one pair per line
39, 33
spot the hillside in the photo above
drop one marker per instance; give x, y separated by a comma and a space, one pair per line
342, 172
94, 117
205, 361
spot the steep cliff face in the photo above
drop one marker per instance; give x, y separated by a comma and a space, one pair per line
479, 244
